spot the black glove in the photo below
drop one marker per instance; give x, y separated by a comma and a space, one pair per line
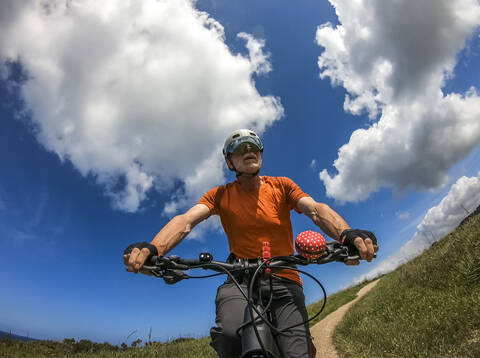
347, 237
140, 246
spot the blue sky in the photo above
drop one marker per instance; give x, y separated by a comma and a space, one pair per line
168, 87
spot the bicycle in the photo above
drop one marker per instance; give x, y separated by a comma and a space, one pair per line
258, 339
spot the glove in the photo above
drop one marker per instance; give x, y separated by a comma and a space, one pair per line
140, 246
347, 237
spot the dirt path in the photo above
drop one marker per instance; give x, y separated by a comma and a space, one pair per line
323, 330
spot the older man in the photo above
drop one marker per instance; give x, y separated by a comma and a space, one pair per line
254, 209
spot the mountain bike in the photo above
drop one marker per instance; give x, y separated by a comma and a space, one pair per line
258, 333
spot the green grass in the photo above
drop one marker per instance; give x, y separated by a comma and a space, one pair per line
177, 348
429, 307
333, 302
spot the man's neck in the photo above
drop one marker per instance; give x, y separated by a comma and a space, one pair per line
250, 183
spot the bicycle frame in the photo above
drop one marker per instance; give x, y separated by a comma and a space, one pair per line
256, 336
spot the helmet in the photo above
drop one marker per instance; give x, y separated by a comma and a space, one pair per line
241, 136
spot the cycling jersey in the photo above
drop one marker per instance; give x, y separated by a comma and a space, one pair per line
251, 218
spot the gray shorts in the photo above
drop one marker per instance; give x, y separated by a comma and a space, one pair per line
288, 307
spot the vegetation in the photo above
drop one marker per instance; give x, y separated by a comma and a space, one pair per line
429, 307
181, 347
333, 302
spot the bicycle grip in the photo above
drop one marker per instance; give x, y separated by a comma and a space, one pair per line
151, 261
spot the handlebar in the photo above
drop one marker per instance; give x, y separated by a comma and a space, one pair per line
171, 268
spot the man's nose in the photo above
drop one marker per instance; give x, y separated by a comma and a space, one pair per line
249, 148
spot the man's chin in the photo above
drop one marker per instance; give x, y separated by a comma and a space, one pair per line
251, 170
255, 171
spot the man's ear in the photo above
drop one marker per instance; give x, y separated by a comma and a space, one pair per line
229, 163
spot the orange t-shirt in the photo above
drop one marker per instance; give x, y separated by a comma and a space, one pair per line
251, 218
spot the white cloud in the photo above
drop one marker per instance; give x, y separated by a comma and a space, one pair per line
463, 197
258, 58
394, 67
138, 94
403, 216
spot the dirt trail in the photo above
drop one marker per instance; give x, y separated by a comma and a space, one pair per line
323, 330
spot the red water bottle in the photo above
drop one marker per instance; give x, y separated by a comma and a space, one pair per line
266, 255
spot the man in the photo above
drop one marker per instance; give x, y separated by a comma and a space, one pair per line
254, 209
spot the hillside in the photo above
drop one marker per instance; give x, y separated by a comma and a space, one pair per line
15, 336
429, 307
475, 213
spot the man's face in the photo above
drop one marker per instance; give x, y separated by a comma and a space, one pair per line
247, 159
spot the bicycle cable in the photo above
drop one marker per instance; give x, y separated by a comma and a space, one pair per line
265, 320
251, 304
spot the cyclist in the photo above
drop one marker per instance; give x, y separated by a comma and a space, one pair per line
254, 209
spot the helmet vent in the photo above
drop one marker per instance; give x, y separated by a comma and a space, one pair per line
236, 136
251, 133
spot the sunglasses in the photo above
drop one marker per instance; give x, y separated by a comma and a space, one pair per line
242, 148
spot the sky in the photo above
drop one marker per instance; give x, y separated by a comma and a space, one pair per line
113, 116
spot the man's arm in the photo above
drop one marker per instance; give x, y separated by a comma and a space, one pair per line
323, 216
169, 237
333, 225
179, 227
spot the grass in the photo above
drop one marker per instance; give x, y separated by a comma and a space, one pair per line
334, 302
183, 347
429, 307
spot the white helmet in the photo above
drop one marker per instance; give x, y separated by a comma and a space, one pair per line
241, 136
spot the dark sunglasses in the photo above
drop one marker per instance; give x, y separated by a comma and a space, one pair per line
242, 148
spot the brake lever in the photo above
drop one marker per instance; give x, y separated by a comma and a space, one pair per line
354, 255
342, 253
357, 257
165, 263
167, 268
173, 276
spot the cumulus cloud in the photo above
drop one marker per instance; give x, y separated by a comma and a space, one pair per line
137, 94
463, 198
393, 59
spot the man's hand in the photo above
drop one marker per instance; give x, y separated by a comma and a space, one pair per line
362, 241
136, 254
